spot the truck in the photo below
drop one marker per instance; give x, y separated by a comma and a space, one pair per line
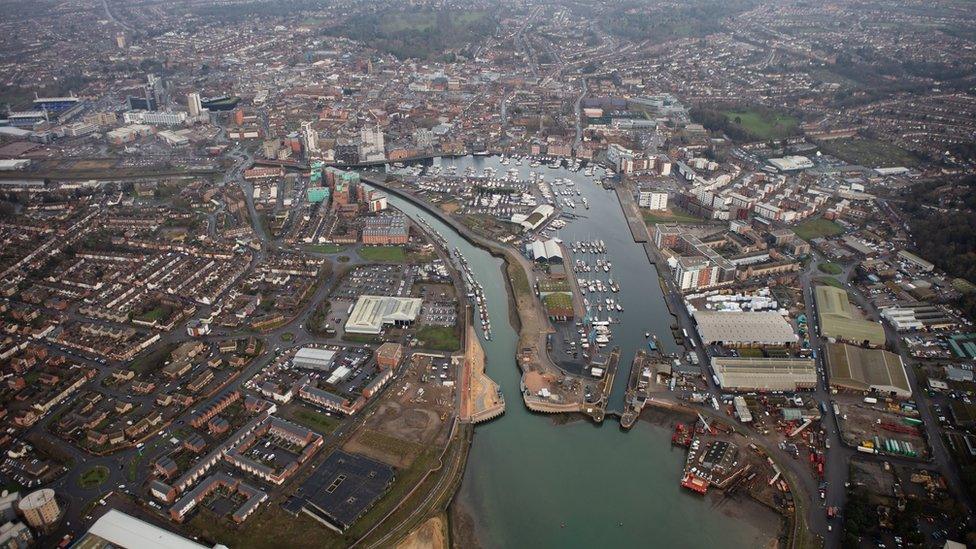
870, 400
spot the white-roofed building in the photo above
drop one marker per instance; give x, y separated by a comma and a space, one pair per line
117, 529
744, 329
313, 359
547, 251
373, 312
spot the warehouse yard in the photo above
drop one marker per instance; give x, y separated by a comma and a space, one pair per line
884, 428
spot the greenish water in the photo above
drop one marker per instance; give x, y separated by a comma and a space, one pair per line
531, 483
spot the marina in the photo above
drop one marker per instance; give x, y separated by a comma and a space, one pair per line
501, 461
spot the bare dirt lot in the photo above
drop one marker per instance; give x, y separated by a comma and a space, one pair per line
429, 535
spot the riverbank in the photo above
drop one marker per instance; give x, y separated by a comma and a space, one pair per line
532, 323
562, 455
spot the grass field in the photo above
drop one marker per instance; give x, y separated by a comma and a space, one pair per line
520, 282
315, 421
830, 281
383, 254
817, 228
439, 338
963, 286
360, 338
153, 315
669, 216
870, 152
763, 125
93, 477
324, 248
830, 268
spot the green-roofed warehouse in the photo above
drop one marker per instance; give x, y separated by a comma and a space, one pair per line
840, 321
867, 370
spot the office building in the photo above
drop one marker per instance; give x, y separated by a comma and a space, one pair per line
310, 138
193, 104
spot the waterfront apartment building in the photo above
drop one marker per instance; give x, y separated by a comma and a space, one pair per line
652, 199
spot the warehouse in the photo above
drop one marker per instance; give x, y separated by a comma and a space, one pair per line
867, 370
744, 329
373, 312
917, 317
765, 374
342, 489
313, 359
547, 251
117, 529
840, 321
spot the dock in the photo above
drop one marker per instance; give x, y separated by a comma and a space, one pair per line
598, 409
635, 397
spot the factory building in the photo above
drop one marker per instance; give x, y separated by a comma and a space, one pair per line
744, 329
765, 374
839, 320
867, 370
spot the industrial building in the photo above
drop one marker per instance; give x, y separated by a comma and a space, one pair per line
765, 374
372, 313
535, 219
385, 229
839, 320
918, 317
867, 370
342, 489
744, 329
311, 358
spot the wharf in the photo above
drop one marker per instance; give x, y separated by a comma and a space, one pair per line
598, 409
632, 214
635, 398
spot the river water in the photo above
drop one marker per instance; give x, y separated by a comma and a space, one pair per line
532, 483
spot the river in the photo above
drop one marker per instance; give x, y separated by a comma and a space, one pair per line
532, 483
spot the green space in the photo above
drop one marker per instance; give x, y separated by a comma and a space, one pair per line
439, 338
963, 286
748, 352
830, 268
324, 248
155, 314
419, 33
831, 281
764, 125
520, 282
672, 215
870, 152
361, 338
383, 254
93, 477
152, 361
287, 336
315, 421
558, 301
817, 227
